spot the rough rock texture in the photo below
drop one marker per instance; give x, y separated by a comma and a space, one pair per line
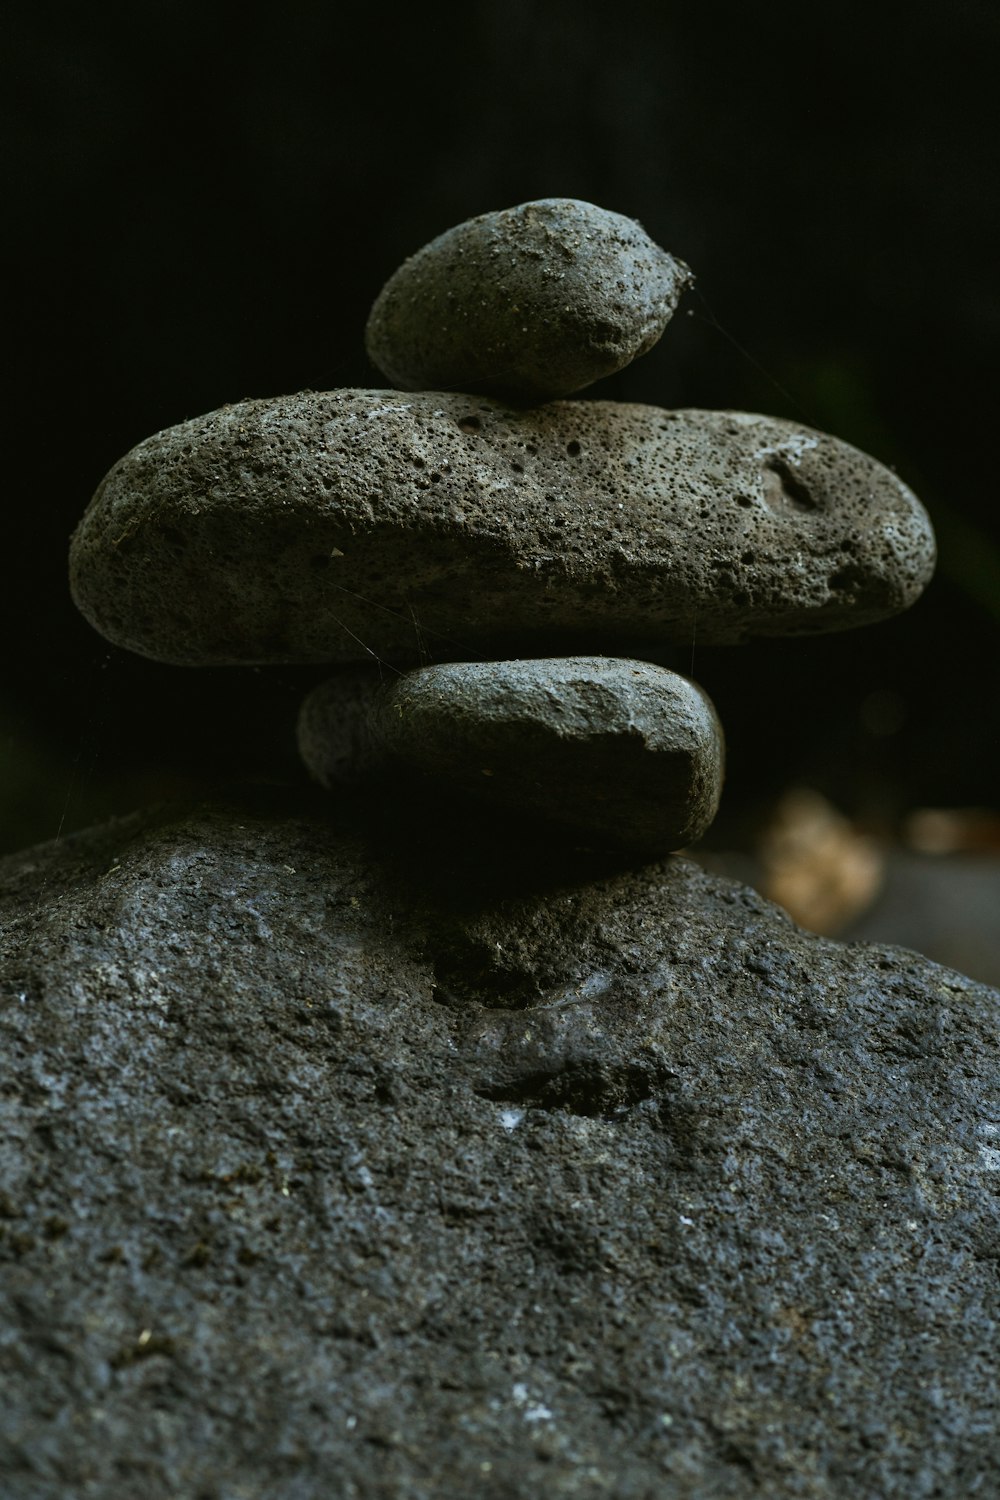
329, 1173
357, 523
532, 302
615, 751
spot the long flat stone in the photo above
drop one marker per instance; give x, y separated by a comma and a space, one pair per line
617, 752
531, 302
360, 524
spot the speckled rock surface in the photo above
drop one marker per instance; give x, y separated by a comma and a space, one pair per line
532, 302
333, 527
333, 1172
608, 750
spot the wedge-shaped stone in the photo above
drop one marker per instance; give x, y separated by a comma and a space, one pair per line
532, 302
618, 752
343, 526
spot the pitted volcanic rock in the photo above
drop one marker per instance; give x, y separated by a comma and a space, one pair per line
360, 524
532, 302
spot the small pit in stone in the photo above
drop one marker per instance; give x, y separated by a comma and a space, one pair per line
469, 424
847, 580
597, 1089
472, 980
782, 487
465, 986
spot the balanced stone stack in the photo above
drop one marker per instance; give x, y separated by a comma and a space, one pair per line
336, 1162
476, 545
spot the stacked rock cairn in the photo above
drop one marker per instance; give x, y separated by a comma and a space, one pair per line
491, 567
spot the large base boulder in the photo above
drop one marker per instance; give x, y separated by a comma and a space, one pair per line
334, 1171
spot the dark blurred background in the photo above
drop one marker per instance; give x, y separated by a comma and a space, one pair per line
204, 200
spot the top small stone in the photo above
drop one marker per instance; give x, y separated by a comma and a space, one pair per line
530, 303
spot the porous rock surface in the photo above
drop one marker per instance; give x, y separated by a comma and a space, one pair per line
616, 751
342, 526
333, 1171
531, 302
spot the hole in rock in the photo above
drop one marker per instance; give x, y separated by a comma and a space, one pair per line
573, 449
465, 985
848, 579
596, 1088
470, 424
471, 978
783, 487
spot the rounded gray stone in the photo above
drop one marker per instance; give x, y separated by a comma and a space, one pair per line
620, 752
356, 525
531, 302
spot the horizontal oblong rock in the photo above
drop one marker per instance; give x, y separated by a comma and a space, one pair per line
619, 751
532, 302
360, 524
330, 1172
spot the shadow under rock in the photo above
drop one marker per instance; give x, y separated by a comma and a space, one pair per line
453, 857
462, 856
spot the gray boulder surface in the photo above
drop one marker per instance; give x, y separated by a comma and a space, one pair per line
356, 525
615, 751
360, 1165
531, 302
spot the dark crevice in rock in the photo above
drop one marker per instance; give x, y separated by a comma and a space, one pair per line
594, 1088
462, 986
